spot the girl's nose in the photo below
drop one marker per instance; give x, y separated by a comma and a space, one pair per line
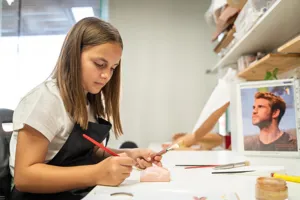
103, 75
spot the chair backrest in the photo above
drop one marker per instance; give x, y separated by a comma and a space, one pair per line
128, 145
6, 116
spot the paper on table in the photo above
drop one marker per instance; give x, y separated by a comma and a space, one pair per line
201, 158
150, 195
219, 97
183, 186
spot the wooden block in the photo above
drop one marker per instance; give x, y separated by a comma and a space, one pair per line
225, 41
284, 62
237, 3
293, 46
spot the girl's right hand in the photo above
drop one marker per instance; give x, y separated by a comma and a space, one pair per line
113, 170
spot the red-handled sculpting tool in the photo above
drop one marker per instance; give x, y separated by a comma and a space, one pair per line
100, 145
107, 150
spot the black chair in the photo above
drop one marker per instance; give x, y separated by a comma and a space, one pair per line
128, 145
6, 116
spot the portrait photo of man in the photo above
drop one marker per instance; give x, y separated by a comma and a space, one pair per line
267, 113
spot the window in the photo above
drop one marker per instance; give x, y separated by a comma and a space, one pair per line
32, 33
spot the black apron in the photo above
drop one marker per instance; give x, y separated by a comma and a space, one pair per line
75, 152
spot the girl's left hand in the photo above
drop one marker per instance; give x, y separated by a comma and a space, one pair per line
144, 157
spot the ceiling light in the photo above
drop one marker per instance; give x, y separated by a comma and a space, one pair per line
10, 2
82, 12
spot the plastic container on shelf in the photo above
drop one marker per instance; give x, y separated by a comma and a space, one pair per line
249, 15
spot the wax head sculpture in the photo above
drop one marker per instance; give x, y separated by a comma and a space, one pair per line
155, 174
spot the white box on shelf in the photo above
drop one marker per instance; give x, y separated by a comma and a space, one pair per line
249, 15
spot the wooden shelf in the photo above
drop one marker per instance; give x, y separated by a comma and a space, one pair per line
277, 26
284, 62
292, 46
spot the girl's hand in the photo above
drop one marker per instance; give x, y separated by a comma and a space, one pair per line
144, 157
113, 170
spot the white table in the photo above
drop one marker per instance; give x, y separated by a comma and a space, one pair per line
188, 182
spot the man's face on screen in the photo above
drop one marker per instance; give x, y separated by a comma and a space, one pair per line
261, 114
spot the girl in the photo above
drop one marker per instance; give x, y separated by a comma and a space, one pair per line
50, 159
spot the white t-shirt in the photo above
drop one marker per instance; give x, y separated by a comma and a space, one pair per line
43, 109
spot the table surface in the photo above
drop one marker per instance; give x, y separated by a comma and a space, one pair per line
186, 183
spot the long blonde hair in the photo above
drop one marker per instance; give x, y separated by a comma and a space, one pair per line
88, 32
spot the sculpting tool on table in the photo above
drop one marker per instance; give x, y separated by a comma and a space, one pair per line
232, 165
198, 166
232, 172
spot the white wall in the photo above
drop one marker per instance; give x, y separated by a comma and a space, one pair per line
0, 17
167, 50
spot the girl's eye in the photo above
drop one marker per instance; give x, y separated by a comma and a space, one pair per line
100, 65
112, 69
